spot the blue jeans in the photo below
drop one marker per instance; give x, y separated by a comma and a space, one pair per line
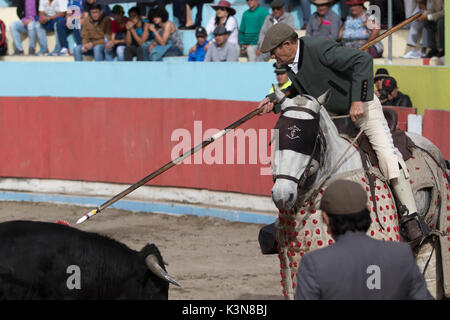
305, 6
17, 27
116, 51
168, 50
97, 51
42, 33
62, 31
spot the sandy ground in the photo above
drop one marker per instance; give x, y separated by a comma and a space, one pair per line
211, 258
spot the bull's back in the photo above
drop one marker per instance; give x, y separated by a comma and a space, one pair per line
42, 260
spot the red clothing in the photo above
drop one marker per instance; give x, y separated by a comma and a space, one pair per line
116, 28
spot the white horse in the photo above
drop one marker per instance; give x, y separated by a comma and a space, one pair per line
306, 159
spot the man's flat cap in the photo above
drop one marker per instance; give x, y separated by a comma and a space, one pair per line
344, 197
276, 35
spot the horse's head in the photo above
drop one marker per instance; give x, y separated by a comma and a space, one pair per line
297, 147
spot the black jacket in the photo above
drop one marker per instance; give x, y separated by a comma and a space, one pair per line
401, 100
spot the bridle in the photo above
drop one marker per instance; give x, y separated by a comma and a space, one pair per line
316, 148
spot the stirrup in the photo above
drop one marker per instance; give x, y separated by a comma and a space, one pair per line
414, 229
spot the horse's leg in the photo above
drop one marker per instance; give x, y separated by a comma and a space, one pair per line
429, 257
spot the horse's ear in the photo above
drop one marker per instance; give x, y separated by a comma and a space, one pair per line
278, 93
324, 98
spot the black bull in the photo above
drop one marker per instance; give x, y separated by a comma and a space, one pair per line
41, 260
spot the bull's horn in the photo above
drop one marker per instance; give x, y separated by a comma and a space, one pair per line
152, 263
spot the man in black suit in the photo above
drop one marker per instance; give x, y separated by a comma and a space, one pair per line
357, 266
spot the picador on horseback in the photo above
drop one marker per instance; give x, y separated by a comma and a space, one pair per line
317, 65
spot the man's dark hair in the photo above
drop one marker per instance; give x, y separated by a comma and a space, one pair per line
134, 10
95, 6
117, 9
158, 12
341, 223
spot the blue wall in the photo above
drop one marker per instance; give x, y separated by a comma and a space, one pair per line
191, 80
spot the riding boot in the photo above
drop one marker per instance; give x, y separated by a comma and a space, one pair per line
412, 226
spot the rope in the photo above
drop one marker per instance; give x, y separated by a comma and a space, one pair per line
317, 190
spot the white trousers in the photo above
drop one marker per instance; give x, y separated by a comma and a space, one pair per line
375, 127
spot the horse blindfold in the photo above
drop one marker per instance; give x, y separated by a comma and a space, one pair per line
297, 135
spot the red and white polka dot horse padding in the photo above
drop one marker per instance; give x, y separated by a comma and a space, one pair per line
302, 231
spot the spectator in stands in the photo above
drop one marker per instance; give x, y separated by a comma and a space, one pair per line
391, 96
224, 17
116, 46
251, 23
27, 11
380, 75
87, 5
137, 34
283, 81
167, 42
94, 31
355, 31
433, 20
324, 23
182, 10
305, 8
50, 12
414, 30
398, 11
278, 15
221, 49
71, 24
198, 52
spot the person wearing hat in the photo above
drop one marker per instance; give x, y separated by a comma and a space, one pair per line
224, 17
221, 49
251, 23
355, 31
278, 15
391, 96
318, 65
281, 72
380, 75
324, 23
198, 51
357, 266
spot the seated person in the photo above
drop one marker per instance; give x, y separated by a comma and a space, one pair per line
198, 52
251, 24
391, 96
355, 31
50, 12
324, 23
137, 34
221, 49
27, 11
167, 42
116, 46
71, 24
94, 31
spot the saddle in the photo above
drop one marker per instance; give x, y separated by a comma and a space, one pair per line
402, 142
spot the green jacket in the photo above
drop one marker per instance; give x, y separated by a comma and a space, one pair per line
324, 64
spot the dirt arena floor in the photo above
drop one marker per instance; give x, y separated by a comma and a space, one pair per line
211, 258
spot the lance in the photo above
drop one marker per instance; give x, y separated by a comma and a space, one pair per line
218, 135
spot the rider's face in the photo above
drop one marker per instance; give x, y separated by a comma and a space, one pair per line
284, 53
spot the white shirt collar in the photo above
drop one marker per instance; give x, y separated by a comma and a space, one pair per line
294, 65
